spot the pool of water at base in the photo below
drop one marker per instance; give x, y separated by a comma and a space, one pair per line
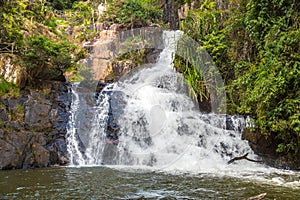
100, 182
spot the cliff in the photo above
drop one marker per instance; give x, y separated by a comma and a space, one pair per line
33, 127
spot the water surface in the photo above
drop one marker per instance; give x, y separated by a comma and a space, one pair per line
131, 183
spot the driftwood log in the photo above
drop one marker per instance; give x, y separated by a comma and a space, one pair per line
244, 157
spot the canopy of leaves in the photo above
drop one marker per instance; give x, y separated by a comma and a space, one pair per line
46, 58
40, 46
255, 45
133, 13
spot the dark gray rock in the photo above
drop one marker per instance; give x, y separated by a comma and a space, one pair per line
58, 151
3, 115
33, 127
266, 147
23, 150
10, 156
37, 116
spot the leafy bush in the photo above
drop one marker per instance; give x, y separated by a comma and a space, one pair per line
255, 45
8, 89
133, 13
45, 58
61, 4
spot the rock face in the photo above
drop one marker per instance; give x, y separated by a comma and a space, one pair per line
103, 61
102, 51
266, 148
33, 127
11, 72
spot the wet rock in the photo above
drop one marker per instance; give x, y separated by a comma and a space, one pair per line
204, 104
152, 55
38, 138
266, 147
109, 78
260, 143
232, 123
99, 88
37, 116
110, 154
58, 151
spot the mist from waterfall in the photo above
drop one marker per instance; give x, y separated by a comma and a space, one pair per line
160, 126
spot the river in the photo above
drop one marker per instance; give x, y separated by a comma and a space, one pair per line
131, 183
166, 149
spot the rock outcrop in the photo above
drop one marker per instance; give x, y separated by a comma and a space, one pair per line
266, 147
33, 127
11, 72
104, 51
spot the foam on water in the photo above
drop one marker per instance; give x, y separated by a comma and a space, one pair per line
161, 129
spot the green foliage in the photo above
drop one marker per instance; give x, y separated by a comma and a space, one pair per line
198, 88
270, 88
204, 25
255, 45
50, 23
41, 45
133, 13
45, 58
83, 13
8, 89
61, 4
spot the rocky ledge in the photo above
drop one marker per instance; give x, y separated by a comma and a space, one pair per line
266, 147
33, 127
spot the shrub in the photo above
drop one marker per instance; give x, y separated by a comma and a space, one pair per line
133, 13
46, 58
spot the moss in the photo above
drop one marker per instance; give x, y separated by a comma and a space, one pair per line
8, 89
17, 114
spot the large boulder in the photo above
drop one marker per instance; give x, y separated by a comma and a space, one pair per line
22, 150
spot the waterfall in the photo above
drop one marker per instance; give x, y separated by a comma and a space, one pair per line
76, 156
159, 124
87, 126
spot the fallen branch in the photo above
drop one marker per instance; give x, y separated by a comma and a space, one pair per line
244, 157
258, 197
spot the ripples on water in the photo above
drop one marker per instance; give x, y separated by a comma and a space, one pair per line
133, 183
179, 127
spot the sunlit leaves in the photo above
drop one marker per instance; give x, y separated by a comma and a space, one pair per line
133, 13
256, 48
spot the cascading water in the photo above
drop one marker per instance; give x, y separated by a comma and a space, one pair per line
87, 126
159, 124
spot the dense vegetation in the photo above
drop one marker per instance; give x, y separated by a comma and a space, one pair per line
255, 45
133, 13
41, 37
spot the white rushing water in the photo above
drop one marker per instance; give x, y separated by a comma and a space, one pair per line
160, 127
87, 127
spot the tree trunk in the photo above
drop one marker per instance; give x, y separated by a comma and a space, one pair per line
170, 14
